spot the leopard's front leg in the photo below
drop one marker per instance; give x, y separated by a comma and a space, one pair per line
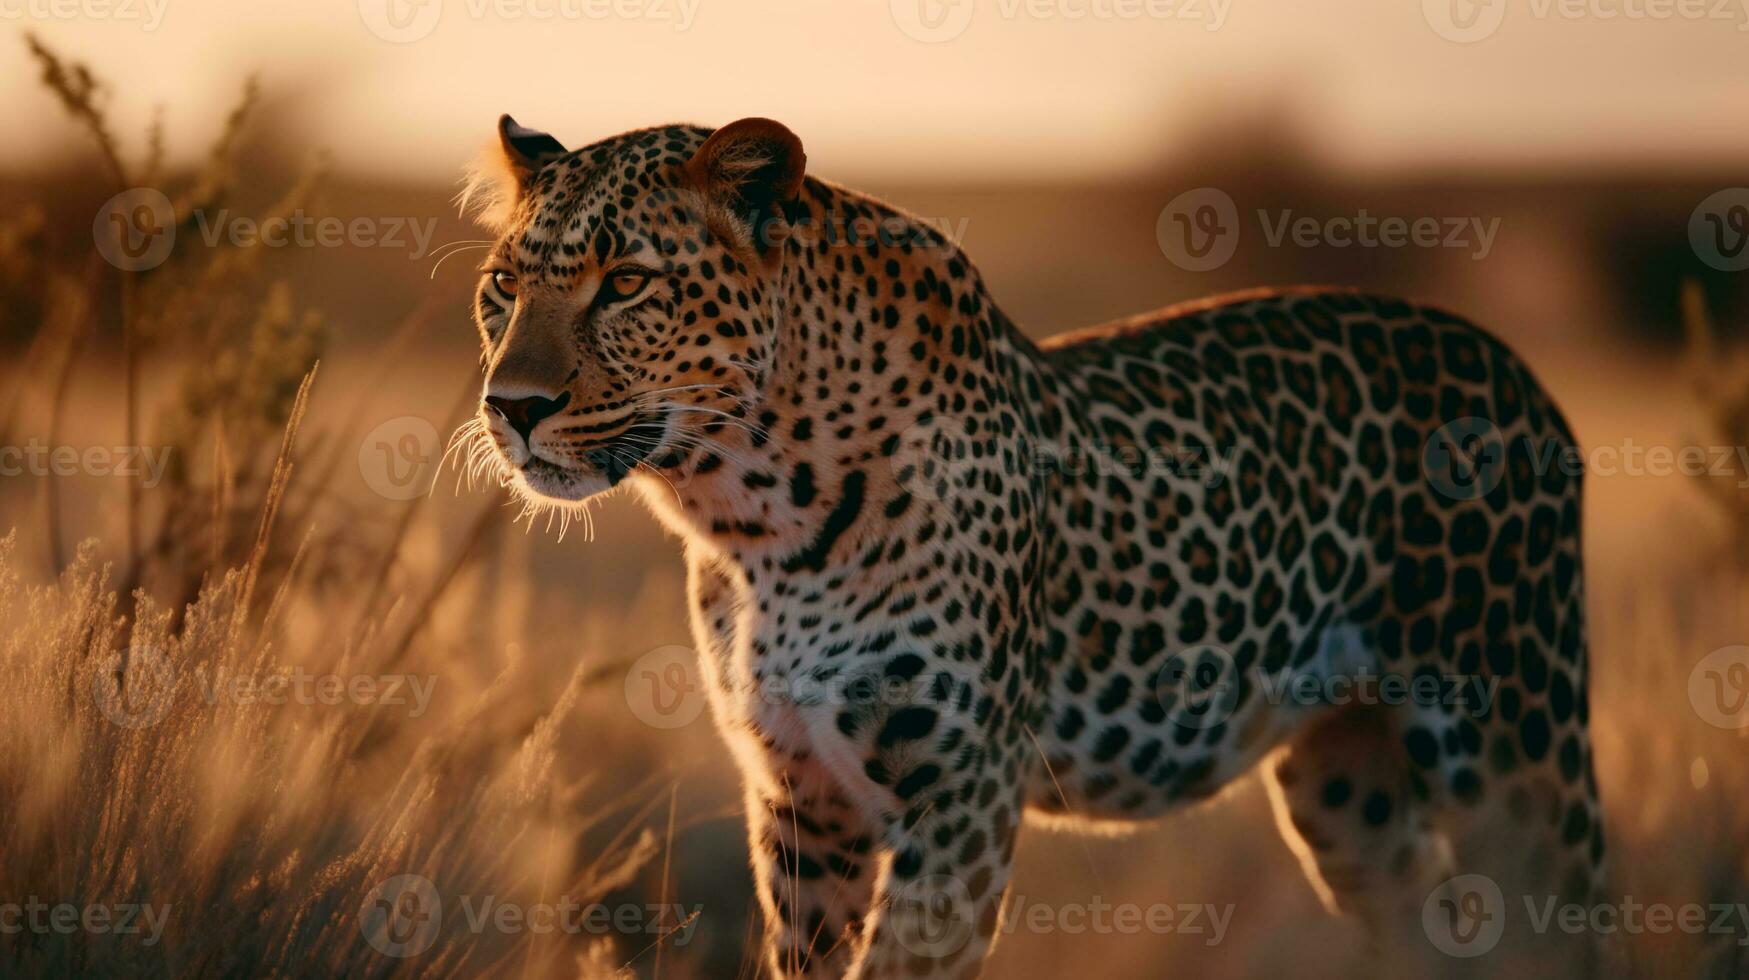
814, 866
882, 838
943, 784
884, 791
938, 902
814, 855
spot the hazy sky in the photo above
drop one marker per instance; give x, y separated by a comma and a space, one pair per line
943, 88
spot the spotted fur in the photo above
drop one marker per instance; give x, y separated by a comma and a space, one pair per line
942, 577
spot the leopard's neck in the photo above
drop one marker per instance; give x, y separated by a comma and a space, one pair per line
885, 330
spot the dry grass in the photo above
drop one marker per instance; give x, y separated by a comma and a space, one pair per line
137, 776
257, 833
143, 765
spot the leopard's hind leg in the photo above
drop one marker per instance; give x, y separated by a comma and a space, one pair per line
1345, 801
1453, 803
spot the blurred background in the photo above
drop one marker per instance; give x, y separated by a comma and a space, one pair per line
202, 201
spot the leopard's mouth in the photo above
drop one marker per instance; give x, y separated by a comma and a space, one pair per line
573, 473
637, 442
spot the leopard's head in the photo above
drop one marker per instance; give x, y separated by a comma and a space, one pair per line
627, 309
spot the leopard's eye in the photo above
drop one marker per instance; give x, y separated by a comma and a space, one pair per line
625, 284
505, 281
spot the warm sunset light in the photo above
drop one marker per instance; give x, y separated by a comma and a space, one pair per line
874, 489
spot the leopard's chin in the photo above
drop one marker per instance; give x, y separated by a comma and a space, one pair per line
539, 479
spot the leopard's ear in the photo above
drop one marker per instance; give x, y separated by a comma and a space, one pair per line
526, 150
753, 166
497, 181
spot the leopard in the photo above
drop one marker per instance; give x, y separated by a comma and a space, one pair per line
945, 580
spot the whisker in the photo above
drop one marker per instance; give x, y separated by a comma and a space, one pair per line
692, 439
459, 242
457, 251
752, 428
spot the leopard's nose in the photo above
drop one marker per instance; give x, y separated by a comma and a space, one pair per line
526, 412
